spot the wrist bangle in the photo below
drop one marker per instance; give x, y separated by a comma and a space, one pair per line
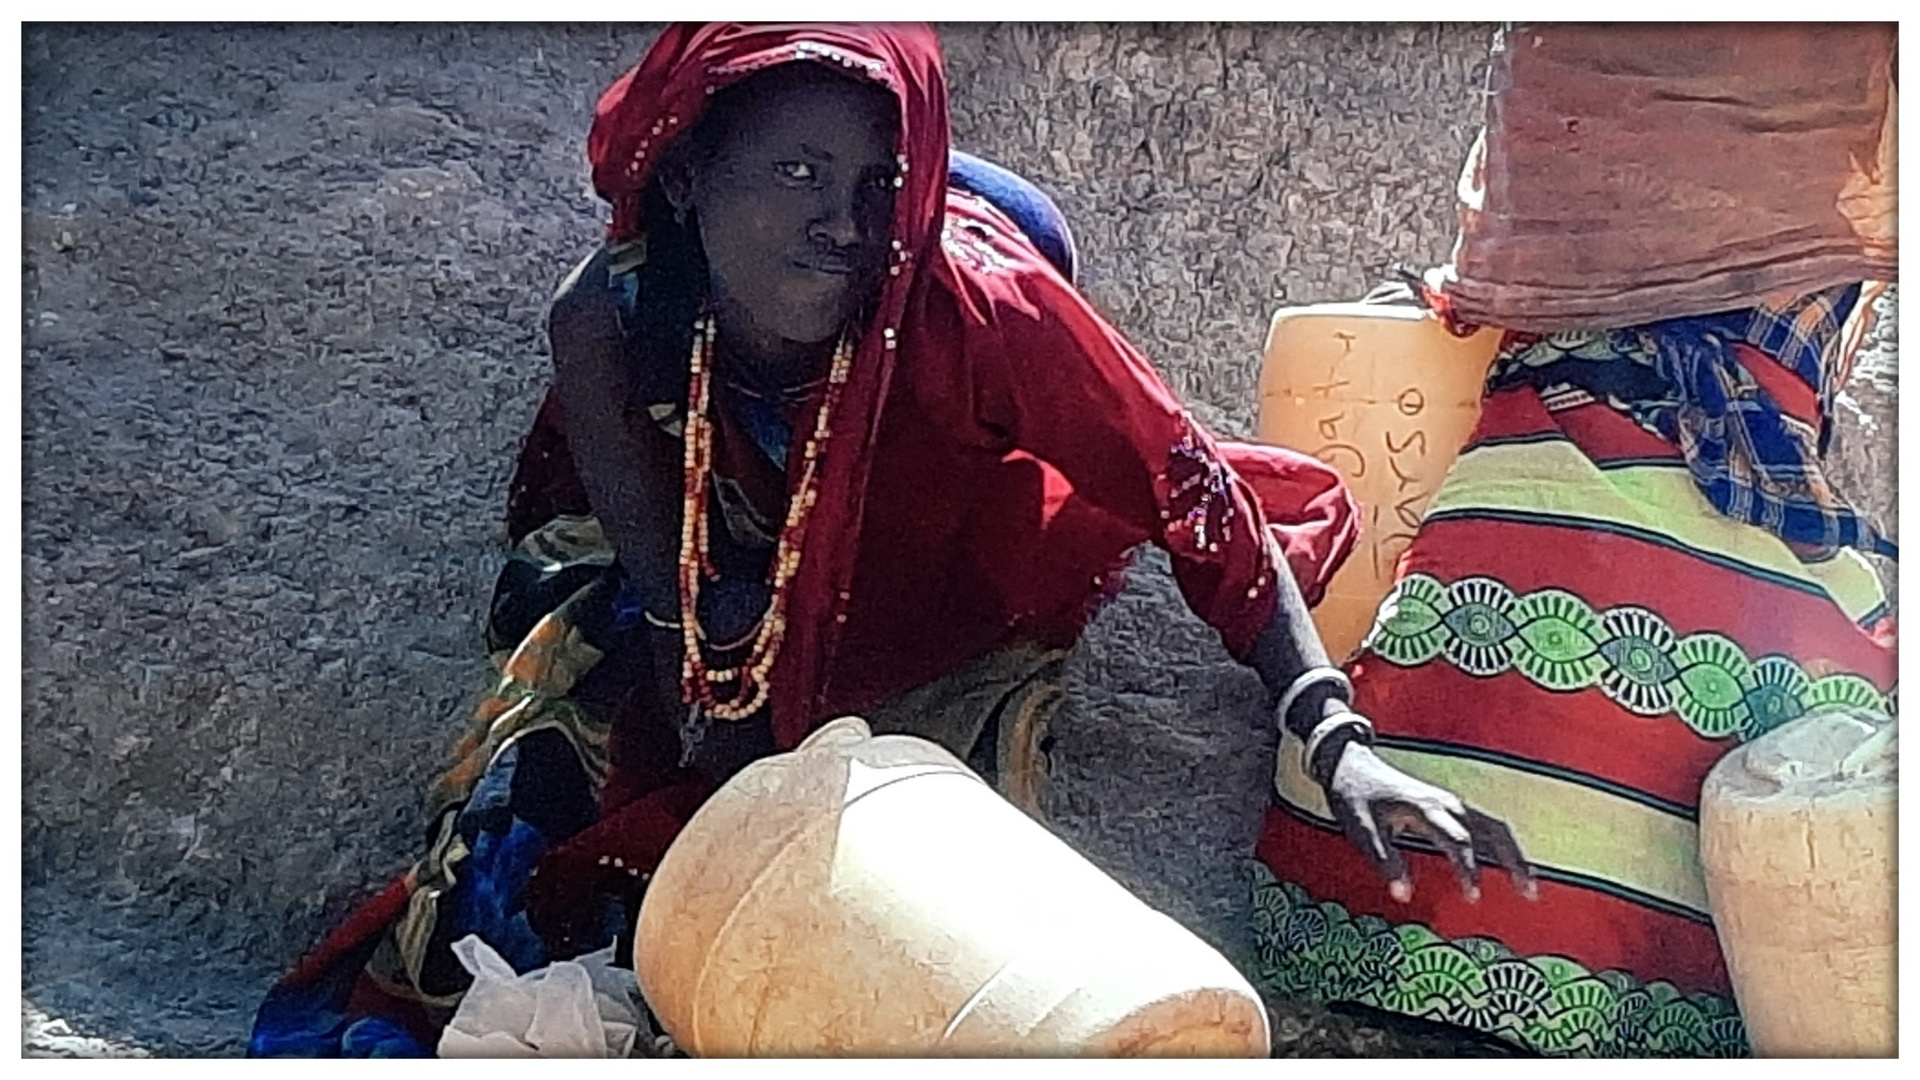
1309, 679
1362, 732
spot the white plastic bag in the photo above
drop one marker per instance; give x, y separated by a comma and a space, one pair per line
580, 1008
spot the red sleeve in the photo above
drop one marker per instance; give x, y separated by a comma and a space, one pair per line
1058, 382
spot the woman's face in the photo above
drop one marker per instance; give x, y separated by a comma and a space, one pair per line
794, 208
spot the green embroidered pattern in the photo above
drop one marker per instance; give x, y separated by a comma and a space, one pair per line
1548, 1004
1560, 643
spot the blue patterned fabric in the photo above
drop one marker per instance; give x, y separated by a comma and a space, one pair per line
533, 796
310, 1020
379, 1037
1681, 380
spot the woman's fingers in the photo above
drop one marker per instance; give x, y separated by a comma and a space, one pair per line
1435, 822
1373, 809
1361, 834
1482, 839
1466, 869
1364, 832
1495, 842
1399, 881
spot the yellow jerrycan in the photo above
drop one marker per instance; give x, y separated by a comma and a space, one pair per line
1797, 836
1385, 394
870, 896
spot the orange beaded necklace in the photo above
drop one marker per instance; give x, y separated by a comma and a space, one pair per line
698, 682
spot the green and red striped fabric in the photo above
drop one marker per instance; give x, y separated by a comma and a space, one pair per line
1575, 637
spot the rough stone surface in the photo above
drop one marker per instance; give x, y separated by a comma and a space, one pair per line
1864, 454
1214, 173
283, 299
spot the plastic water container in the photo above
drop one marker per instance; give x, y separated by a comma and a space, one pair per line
1797, 834
871, 896
1385, 394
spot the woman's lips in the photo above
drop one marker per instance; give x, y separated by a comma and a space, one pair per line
833, 267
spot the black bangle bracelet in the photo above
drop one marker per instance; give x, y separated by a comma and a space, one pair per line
1329, 739
1303, 688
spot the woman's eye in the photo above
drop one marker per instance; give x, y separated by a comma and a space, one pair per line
797, 171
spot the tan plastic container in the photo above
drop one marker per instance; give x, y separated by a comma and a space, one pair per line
867, 896
1797, 837
1386, 395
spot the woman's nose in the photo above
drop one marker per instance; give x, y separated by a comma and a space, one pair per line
835, 222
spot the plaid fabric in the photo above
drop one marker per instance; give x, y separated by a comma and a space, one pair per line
1804, 336
1681, 380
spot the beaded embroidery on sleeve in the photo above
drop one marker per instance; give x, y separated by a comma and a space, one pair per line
1192, 490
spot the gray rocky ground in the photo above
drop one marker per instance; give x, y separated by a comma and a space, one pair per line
282, 306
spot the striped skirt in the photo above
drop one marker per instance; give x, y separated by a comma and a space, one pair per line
1574, 638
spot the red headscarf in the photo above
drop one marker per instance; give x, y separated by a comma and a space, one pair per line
1024, 445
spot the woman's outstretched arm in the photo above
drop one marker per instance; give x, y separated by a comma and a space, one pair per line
1062, 384
1371, 800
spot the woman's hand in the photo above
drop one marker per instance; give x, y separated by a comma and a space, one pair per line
1375, 802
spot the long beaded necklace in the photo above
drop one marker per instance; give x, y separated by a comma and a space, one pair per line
698, 682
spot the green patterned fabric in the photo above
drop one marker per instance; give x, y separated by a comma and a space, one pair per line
1562, 644
1547, 1004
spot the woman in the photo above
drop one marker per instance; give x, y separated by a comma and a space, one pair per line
827, 435
1636, 562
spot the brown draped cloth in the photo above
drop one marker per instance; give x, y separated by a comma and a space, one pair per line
1630, 173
